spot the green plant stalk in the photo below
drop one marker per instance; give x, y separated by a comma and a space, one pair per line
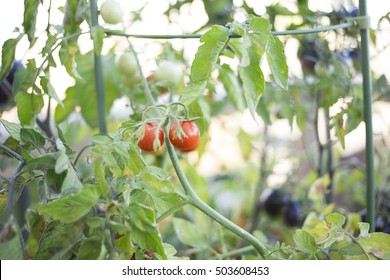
262, 181
330, 161
99, 77
367, 99
172, 210
235, 252
356, 241
206, 209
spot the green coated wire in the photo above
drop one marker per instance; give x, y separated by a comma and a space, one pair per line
367, 100
197, 36
99, 77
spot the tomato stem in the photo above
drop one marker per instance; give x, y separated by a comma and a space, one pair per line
206, 209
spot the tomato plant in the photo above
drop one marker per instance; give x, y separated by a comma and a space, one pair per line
72, 167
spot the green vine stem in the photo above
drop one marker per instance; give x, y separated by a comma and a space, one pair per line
206, 209
356, 241
172, 210
235, 252
99, 77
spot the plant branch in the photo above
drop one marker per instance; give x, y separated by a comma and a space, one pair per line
11, 153
354, 240
206, 209
172, 210
330, 162
234, 252
80, 153
11, 190
261, 184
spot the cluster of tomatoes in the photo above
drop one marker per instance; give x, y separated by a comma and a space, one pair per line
185, 138
184, 135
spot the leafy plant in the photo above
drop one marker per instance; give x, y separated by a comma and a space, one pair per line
112, 198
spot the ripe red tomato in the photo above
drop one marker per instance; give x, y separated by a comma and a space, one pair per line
147, 143
189, 140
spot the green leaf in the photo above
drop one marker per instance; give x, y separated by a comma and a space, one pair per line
171, 252
339, 124
189, 233
347, 250
70, 102
73, 207
193, 92
99, 172
201, 110
377, 244
277, 61
263, 110
44, 162
32, 137
67, 56
71, 183
305, 242
30, 18
11, 249
97, 34
214, 41
49, 89
25, 77
58, 239
92, 248
29, 106
253, 81
83, 93
364, 228
62, 163
155, 178
12, 128
249, 70
164, 201
7, 57
232, 86
335, 220
37, 226
135, 163
144, 230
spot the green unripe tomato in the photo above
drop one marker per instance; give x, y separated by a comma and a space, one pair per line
131, 80
168, 72
111, 12
127, 64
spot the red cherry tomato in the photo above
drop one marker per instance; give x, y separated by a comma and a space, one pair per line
189, 141
147, 142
